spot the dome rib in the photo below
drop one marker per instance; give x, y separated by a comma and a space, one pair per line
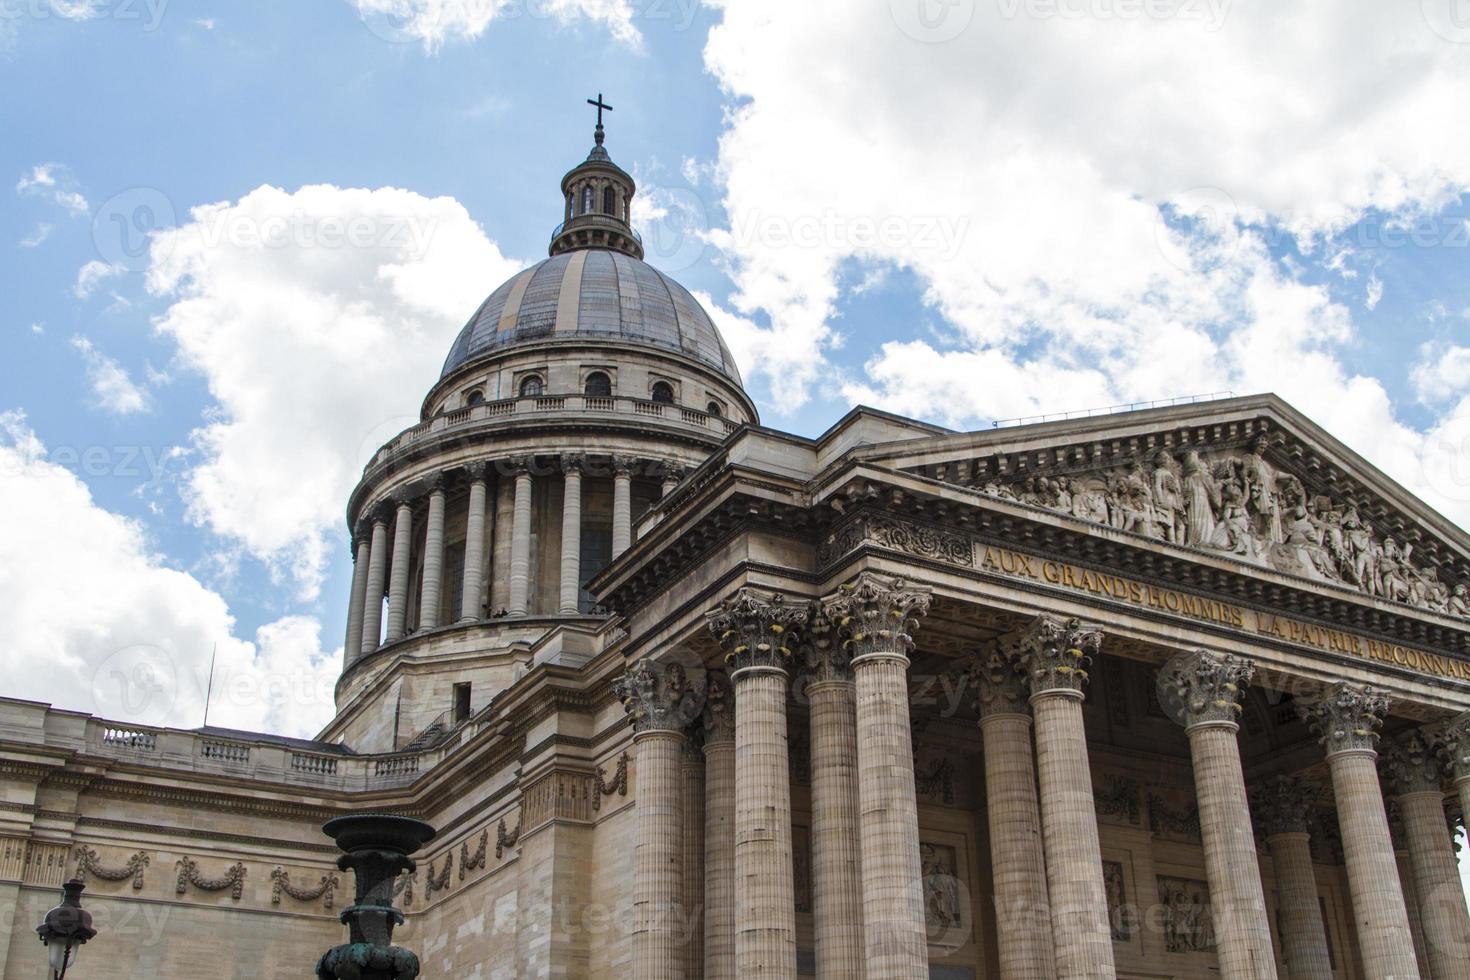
617, 298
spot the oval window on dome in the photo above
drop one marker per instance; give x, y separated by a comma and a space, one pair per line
599, 385
532, 386
663, 393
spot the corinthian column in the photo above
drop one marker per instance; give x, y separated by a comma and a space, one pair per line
474, 545
1406, 882
837, 885
571, 535
755, 630
1017, 859
692, 900
622, 533
520, 541
1284, 811
433, 557
719, 829
672, 474
398, 578
1347, 718
1204, 691
1415, 776
1056, 654
372, 607
875, 617
353, 647
659, 701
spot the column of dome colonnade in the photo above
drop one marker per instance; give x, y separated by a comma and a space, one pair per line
718, 724
660, 702
570, 594
1414, 773
1056, 654
433, 583
875, 617
398, 574
1202, 691
837, 884
756, 630
1017, 857
1284, 809
1346, 717
477, 529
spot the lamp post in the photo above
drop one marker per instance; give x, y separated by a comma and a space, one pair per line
66, 928
378, 848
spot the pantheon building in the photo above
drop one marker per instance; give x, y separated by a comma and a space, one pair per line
1169, 693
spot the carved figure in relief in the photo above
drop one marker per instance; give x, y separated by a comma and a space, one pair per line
1202, 502
1137, 503
1169, 500
1460, 602
1062, 498
1260, 494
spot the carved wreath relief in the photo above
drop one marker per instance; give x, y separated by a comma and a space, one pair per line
1243, 505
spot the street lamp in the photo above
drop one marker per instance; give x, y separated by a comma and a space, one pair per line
377, 850
66, 928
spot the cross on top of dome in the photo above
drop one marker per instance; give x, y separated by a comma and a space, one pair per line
598, 197
598, 135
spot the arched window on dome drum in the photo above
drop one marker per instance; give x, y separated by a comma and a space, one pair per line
599, 385
571, 205
532, 386
587, 199
714, 409
663, 393
476, 397
609, 201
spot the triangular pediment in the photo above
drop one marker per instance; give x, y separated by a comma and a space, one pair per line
1245, 478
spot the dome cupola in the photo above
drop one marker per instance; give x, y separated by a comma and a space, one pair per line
598, 202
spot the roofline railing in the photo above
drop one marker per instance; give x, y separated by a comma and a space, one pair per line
1111, 410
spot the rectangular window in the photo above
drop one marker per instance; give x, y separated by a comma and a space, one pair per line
461, 702
596, 555
454, 569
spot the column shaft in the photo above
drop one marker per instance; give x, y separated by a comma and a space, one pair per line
658, 858
691, 925
719, 860
520, 547
1084, 942
353, 647
1438, 893
1303, 935
474, 553
622, 534
1411, 904
433, 562
765, 926
1242, 926
837, 886
1018, 862
398, 579
571, 543
372, 607
1379, 912
893, 900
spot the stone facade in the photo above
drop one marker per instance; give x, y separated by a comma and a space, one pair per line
1128, 695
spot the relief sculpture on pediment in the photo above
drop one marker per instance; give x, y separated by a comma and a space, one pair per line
1241, 504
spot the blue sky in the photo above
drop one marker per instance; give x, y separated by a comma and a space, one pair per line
988, 212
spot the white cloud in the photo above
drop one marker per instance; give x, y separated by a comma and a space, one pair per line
97, 622
92, 275
42, 232
1441, 374
316, 351
115, 390
1087, 202
432, 22
53, 182
78, 9
205, 23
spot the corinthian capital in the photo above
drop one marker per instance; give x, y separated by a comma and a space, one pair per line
1411, 764
1202, 688
1057, 652
1454, 746
656, 696
719, 709
757, 629
1284, 806
1000, 680
1346, 717
825, 656
875, 614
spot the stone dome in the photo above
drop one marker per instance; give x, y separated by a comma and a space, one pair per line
593, 294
